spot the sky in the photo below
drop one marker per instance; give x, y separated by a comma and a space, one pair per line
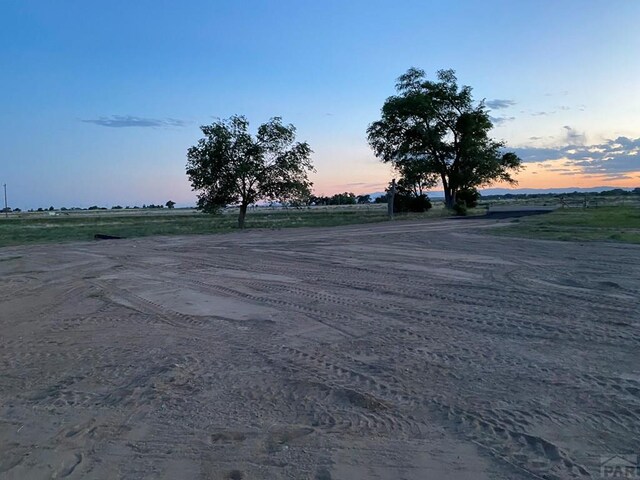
99, 101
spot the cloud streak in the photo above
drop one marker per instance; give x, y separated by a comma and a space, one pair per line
498, 104
127, 121
501, 120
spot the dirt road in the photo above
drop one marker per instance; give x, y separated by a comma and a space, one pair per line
392, 351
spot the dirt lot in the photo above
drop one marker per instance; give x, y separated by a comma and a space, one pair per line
392, 351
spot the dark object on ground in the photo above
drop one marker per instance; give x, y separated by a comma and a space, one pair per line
100, 236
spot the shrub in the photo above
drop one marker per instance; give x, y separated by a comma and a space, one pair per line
460, 208
404, 203
469, 197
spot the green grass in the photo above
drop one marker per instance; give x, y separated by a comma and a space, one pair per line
612, 224
42, 228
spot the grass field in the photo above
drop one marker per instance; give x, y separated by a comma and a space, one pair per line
29, 228
606, 223
618, 224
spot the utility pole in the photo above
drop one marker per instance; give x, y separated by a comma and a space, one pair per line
6, 208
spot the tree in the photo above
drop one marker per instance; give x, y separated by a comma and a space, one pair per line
170, 204
363, 199
346, 198
434, 128
321, 200
231, 166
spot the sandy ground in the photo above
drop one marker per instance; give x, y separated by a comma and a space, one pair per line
393, 351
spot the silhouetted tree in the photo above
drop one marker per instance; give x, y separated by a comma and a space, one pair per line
436, 126
318, 200
170, 204
231, 166
346, 198
363, 199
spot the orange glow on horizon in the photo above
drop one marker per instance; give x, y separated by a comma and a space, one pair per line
542, 175
561, 174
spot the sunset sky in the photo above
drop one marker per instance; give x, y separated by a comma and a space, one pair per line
100, 100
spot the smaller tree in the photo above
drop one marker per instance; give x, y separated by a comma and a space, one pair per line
232, 166
346, 198
363, 199
170, 204
321, 200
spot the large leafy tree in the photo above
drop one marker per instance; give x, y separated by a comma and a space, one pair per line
230, 166
433, 129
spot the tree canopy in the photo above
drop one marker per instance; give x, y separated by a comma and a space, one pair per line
433, 130
230, 166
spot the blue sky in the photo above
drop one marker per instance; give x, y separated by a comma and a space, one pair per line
100, 100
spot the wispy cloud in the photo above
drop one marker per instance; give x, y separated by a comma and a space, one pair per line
562, 93
498, 104
501, 120
123, 121
612, 158
572, 136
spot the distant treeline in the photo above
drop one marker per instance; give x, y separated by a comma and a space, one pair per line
170, 204
350, 198
346, 198
616, 192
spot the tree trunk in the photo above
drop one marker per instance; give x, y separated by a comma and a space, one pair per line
449, 197
243, 213
449, 194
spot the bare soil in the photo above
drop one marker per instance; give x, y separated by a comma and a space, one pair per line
391, 351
